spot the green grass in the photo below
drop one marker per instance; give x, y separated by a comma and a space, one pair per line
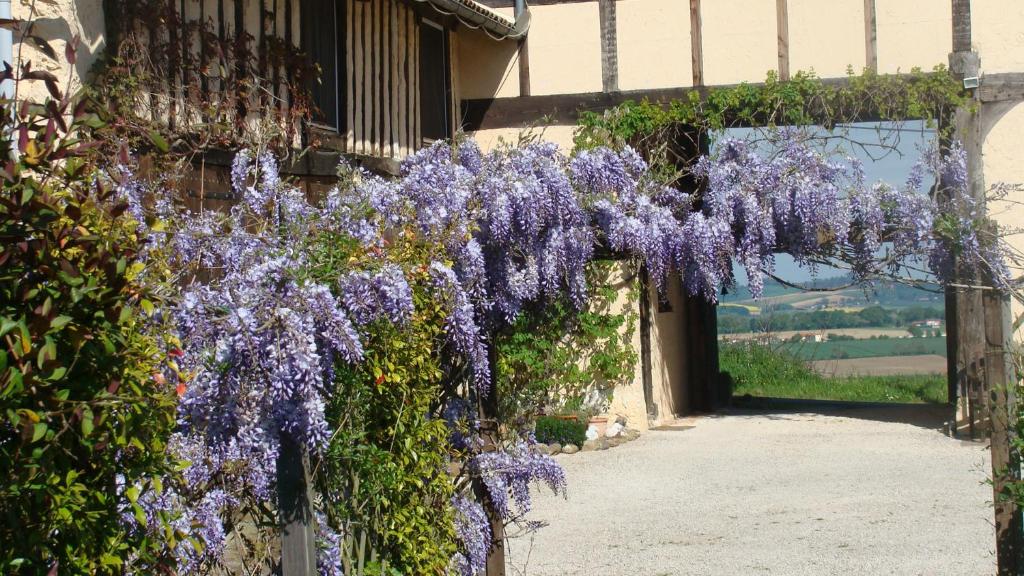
758, 370
866, 348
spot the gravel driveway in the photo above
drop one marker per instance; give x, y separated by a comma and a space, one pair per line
854, 491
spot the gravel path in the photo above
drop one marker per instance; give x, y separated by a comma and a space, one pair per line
855, 491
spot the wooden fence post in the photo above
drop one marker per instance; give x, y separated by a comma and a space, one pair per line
295, 503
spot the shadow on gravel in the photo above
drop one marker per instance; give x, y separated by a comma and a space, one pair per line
930, 416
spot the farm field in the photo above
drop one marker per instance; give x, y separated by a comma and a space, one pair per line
763, 371
882, 366
841, 349
858, 333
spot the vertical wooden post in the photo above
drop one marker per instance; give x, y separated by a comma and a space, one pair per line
870, 36
782, 23
488, 417
999, 376
696, 43
961, 25
646, 371
295, 502
609, 46
524, 54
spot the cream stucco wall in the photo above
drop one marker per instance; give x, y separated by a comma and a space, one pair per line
565, 48
827, 37
997, 32
560, 134
653, 38
740, 40
58, 21
1003, 158
912, 33
485, 68
668, 353
627, 400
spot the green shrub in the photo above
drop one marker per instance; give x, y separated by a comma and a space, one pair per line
553, 429
385, 480
85, 406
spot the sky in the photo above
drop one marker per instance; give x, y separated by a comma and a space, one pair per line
908, 140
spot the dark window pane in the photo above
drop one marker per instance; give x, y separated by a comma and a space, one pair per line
434, 82
320, 35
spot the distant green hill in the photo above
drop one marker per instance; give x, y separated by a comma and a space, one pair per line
835, 292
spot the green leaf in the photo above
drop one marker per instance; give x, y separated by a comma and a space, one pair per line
6, 324
38, 431
59, 322
159, 141
147, 306
57, 374
87, 425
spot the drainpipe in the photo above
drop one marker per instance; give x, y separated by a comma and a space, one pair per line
524, 53
6, 48
7, 86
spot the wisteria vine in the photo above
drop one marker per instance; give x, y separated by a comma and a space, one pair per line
511, 227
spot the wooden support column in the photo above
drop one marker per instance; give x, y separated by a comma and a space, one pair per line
870, 36
488, 407
609, 46
972, 412
696, 43
524, 67
523, 53
961, 25
999, 381
295, 500
646, 371
782, 23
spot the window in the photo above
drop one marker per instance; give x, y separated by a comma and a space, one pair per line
323, 39
435, 83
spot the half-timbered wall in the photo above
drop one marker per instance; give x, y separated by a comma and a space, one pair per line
378, 65
383, 78
575, 46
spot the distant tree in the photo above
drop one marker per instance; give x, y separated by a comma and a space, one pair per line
876, 316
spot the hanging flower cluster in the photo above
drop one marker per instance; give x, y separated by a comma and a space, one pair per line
511, 227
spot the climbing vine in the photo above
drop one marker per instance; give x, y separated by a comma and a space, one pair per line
559, 358
669, 135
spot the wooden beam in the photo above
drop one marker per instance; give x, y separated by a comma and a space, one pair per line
1001, 87
512, 3
782, 25
961, 25
387, 35
870, 36
696, 43
358, 79
609, 46
350, 78
374, 80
